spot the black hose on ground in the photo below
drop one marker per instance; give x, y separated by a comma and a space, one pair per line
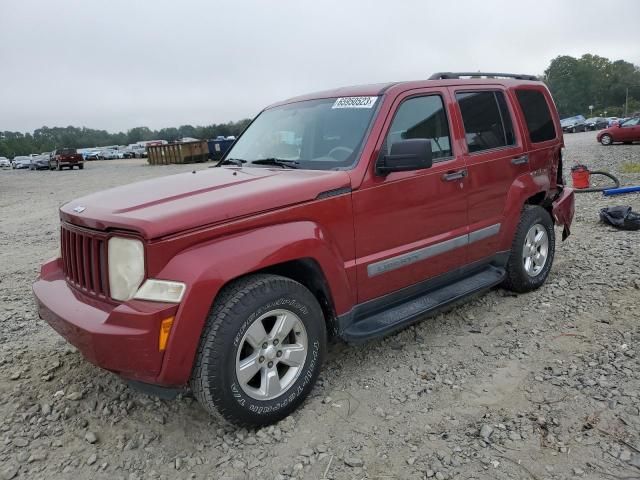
599, 189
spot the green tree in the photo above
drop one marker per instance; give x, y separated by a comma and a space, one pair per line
577, 83
45, 139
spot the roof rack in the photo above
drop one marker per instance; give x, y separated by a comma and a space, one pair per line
453, 75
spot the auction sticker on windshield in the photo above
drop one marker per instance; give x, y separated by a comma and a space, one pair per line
355, 102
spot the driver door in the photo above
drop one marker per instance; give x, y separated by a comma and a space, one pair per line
630, 130
411, 226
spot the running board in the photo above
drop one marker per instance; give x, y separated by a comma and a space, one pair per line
400, 315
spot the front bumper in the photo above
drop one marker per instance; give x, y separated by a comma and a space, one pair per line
122, 338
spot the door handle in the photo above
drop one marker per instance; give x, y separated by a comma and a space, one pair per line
457, 175
521, 160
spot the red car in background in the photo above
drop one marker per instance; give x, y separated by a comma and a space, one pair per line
65, 157
626, 132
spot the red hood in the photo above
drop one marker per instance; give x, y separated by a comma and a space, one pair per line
172, 204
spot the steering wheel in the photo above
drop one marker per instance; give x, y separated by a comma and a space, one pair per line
347, 151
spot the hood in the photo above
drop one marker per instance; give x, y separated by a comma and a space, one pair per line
166, 205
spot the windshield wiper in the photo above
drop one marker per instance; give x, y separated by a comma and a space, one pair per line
232, 161
278, 162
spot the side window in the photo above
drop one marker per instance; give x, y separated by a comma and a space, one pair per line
537, 115
486, 118
422, 117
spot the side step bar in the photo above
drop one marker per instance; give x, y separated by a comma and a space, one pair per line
383, 322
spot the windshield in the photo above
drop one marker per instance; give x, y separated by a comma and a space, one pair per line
322, 134
67, 151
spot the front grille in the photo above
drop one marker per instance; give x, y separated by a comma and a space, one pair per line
84, 257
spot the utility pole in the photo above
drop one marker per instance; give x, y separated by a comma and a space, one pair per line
626, 103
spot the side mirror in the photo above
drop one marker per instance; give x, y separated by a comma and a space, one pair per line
406, 155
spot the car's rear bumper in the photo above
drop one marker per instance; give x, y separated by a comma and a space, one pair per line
563, 209
122, 338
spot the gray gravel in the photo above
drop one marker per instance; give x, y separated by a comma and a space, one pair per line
538, 386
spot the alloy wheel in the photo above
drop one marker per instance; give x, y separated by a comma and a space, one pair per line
535, 250
271, 354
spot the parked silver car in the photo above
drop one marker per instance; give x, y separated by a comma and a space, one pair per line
41, 162
22, 162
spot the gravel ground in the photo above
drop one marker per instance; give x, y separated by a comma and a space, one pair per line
538, 386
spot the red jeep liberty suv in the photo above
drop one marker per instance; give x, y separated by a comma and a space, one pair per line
349, 213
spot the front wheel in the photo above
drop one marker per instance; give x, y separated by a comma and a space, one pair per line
261, 350
532, 251
606, 139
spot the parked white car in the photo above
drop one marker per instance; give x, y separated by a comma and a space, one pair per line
108, 154
5, 162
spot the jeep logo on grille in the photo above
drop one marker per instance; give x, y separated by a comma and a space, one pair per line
79, 209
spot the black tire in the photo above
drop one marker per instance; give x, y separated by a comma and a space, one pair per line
214, 380
81, 166
517, 279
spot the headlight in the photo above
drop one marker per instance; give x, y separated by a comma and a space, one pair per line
126, 267
161, 291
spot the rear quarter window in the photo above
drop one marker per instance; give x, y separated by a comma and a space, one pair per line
67, 151
537, 115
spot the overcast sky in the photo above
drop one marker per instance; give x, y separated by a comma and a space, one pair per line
117, 64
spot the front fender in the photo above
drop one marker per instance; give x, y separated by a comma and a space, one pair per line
206, 268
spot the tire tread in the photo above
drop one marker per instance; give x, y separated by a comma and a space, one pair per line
515, 279
211, 347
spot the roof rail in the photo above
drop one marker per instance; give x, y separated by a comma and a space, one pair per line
452, 75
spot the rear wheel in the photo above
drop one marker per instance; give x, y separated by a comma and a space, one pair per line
261, 350
532, 251
606, 139
81, 166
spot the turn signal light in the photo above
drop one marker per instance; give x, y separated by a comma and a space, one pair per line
165, 328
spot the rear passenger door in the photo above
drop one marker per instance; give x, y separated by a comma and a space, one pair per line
494, 157
541, 140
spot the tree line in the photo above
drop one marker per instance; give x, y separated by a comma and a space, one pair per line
46, 139
576, 83
591, 80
